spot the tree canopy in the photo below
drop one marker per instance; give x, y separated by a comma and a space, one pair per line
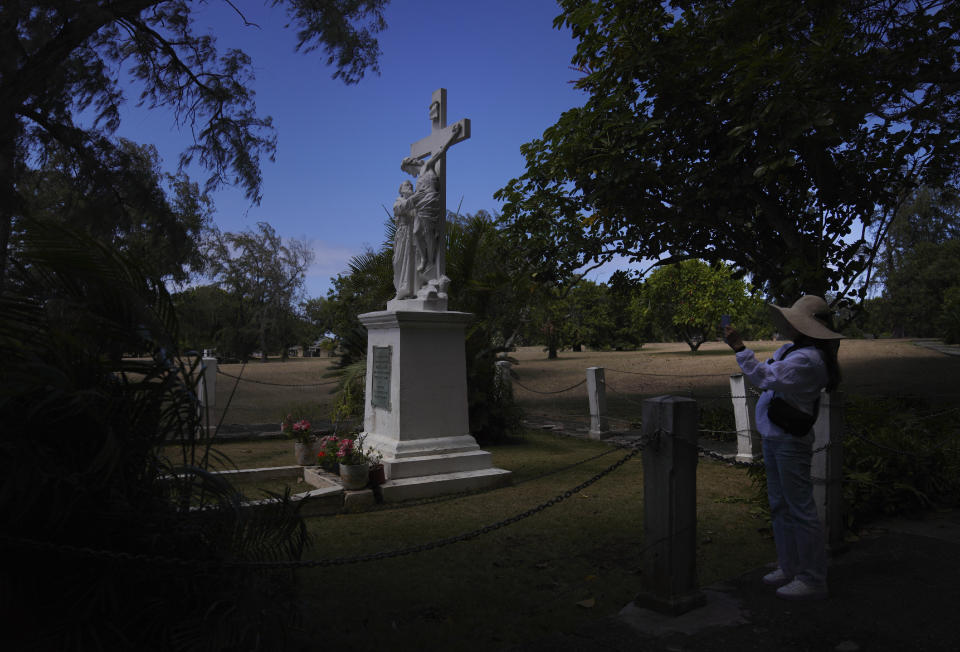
687, 299
63, 64
477, 263
263, 276
767, 133
154, 217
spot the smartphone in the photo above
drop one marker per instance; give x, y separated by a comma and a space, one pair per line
724, 321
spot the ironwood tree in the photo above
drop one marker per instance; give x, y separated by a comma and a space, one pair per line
263, 276
64, 68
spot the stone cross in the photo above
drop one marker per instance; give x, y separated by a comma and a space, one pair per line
440, 133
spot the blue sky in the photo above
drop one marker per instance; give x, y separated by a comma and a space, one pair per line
339, 147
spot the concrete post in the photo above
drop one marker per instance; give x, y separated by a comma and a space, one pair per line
504, 382
597, 395
748, 439
670, 506
826, 468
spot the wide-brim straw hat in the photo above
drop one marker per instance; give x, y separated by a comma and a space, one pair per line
809, 315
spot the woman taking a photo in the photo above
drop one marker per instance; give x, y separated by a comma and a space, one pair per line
785, 414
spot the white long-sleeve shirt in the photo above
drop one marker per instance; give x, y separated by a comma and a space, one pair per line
798, 379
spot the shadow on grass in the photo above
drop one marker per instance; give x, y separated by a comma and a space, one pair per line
573, 562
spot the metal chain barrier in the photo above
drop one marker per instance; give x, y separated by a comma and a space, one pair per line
264, 382
899, 451
464, 494
718, 432
559, 391
318, 563
644, 373
555, 416
623, 396
933, 414
750, 394
722, 458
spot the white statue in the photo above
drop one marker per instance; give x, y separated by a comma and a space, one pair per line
404, 252
420, 212
428, 225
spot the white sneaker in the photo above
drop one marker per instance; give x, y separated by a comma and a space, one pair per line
800, 590
776, 578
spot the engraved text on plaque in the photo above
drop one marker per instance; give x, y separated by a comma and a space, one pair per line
381, 377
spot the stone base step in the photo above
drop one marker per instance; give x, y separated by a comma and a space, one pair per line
414, 467
427, 486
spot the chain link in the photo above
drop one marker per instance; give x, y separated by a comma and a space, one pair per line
735, 462
559, 391
316, 563
463, 494
723, 458
644, 373
264, 382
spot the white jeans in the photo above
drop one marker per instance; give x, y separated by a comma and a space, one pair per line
797, 531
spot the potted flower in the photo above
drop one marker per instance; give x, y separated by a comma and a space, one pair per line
304, 441
377, 473
327, 449
354, 463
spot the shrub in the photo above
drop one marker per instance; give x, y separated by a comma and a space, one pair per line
900, 456
90, 503
949, 321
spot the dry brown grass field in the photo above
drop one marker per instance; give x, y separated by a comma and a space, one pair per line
269, 390
568, 565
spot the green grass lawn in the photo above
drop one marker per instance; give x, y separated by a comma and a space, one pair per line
575, 561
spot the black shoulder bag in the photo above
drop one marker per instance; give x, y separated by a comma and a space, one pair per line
792, 420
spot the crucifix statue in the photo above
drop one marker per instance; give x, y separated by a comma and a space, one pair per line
419, 258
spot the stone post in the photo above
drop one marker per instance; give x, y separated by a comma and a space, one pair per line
504, 382
597, 395
670, 506
207, 386
826, 468
744, 405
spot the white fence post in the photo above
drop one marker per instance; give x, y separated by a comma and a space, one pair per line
504, 382
826, 468
748, 439
597, 395
669, 578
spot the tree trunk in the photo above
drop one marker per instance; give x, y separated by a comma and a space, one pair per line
551, 350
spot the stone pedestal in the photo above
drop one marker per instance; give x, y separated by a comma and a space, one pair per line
415, 409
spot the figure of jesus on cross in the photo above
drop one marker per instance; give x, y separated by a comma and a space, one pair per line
429, 205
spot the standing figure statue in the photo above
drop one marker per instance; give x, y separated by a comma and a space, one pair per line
404, 253
428, 225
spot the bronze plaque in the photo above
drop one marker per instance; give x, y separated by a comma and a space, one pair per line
382, 362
